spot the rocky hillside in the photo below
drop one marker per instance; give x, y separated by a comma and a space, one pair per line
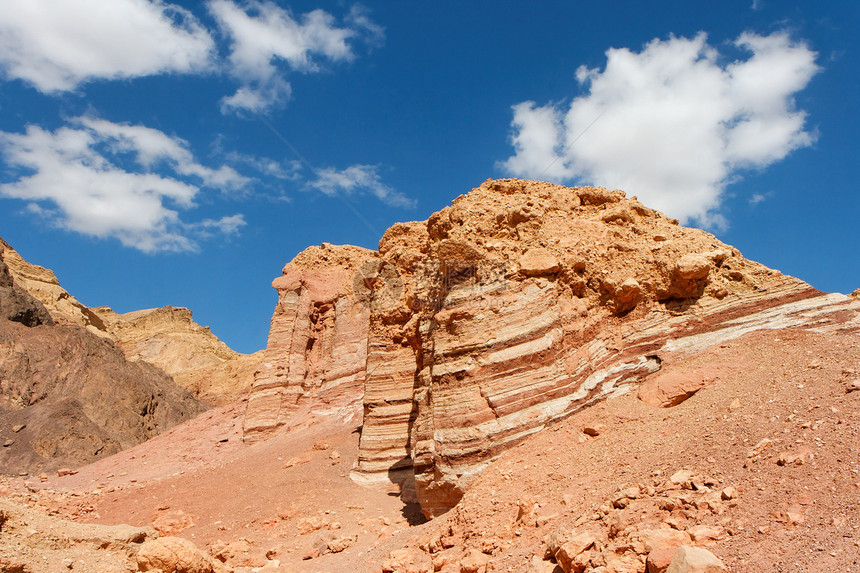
593, 388
69, 397
519, 304
165, 337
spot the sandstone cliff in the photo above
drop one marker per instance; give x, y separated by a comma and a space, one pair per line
517, 305
166, 337
317, 350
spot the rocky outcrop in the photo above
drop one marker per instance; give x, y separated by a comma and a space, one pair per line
68, 396
517, 305
17, 304
42, 284
317, 349
166, 337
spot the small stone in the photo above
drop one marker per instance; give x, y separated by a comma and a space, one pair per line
340, 544
853, 386
19, 427
704, 533
787, 459
537, 262
475, 561
695, 560
728, 493
43, 477
760, 447
8, 443
62, 472
594, 430
570, 549
682, 477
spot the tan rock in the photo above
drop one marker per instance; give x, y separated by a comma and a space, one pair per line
507, 310
704, 533
537, 262
173, 555
653, 539
573, 546
695, 560
475, 561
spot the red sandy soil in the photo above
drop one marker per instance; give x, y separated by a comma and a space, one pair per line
292, 496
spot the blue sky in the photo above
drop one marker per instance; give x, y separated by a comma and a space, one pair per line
156, 153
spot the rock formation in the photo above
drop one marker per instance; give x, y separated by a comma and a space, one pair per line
67, 396
317, 348
517, 305
166, 337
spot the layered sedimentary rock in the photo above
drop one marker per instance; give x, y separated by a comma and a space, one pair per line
166, 337
42, 284
519, 304
317, 349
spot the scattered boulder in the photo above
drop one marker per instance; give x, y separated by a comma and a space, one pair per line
667, 389
174, 555
695, 560
690, 276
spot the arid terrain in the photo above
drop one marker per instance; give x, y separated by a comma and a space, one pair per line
536, 379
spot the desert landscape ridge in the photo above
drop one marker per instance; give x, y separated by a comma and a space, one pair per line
536, 378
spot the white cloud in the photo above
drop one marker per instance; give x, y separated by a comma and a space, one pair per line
106, 179
671, 124
358, 179
264, 36
58, 44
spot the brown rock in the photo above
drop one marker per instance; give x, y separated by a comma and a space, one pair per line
660, 558
16, 304
668, 389
80, 398
695, 560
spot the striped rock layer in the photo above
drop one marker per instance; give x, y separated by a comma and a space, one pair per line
517, 305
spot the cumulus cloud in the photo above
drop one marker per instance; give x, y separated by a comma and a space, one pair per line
56, 45
359, 179
672, 124
115, 180
266, 38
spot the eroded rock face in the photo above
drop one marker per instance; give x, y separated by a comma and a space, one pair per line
17, 304
317, 349
515, 306
77, 398
68, 396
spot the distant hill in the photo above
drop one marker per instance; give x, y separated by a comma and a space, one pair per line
69, 397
